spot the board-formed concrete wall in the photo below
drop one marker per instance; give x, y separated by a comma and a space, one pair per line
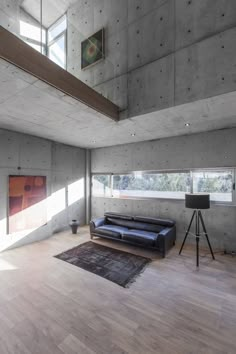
205, 150
159, 53
64, 167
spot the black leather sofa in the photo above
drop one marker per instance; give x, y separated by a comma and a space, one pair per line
155, 233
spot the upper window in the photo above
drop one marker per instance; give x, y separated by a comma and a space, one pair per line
219, 184
57, 42
151, 185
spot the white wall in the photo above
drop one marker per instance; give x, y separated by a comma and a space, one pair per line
64, 167
211, 149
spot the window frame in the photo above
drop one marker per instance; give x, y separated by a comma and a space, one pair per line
191, 171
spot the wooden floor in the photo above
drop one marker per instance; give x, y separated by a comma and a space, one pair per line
48, 306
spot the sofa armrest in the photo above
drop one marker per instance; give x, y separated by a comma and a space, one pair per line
166, 239
96, 223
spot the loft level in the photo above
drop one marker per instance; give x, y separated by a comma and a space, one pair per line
15, 51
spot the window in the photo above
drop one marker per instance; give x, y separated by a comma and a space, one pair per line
101, 186
219, 184
151, 185
57, 42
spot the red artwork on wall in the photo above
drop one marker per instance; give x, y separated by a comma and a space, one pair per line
27, 198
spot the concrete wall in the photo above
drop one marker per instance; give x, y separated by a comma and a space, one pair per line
9, 15
159, 53
213, 149
64, 167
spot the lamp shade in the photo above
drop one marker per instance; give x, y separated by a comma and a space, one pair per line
197, 201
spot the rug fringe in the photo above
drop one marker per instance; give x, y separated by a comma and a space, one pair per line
133, 280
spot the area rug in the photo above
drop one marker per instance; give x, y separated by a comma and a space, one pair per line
117, 266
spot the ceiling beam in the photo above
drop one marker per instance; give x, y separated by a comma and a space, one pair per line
17, 52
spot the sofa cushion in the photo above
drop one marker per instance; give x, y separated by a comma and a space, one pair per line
158, 221
140, 237
118, 216
135, 225
110, 230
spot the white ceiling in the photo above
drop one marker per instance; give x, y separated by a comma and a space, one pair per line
31, 106
52, 9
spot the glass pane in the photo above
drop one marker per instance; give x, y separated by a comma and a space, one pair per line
57, 28
218, 183
152, 185
57, 52
32, 31
101, 186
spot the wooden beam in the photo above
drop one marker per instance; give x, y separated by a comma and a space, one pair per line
17, 52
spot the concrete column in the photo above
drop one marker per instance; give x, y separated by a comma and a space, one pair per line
88, 186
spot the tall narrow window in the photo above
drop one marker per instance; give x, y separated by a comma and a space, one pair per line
57, 42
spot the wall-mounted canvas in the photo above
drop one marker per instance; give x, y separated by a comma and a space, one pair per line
27, 202
92, 49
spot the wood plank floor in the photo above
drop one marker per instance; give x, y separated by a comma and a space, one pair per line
48, 306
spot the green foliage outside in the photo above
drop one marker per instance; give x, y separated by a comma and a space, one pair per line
178, 182
221, 183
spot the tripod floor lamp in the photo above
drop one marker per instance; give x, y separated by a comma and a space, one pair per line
197, 202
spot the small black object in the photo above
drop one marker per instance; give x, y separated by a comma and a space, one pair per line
74, 224
197, 201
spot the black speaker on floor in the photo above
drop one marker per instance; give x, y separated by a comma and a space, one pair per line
197, 201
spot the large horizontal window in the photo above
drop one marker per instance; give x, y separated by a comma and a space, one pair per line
170, 185
151, 185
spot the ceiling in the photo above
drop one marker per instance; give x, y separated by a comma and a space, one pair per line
31, 106
52, 9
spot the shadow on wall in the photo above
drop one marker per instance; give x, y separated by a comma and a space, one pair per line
41, 219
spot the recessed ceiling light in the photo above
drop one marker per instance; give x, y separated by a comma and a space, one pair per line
187, 124
133, 134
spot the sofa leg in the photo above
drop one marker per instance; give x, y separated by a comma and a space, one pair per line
91, 236
163, 253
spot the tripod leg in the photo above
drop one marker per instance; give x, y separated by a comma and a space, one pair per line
197, 251
187, 232
205, 231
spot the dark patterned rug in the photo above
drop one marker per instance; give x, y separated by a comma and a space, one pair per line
117, 266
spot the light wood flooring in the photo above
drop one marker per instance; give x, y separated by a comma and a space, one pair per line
48, 306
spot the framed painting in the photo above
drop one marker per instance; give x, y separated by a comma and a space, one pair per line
92, 49
27, 202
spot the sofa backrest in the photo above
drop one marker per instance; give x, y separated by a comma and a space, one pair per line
144, 219
158, 221
132, 224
